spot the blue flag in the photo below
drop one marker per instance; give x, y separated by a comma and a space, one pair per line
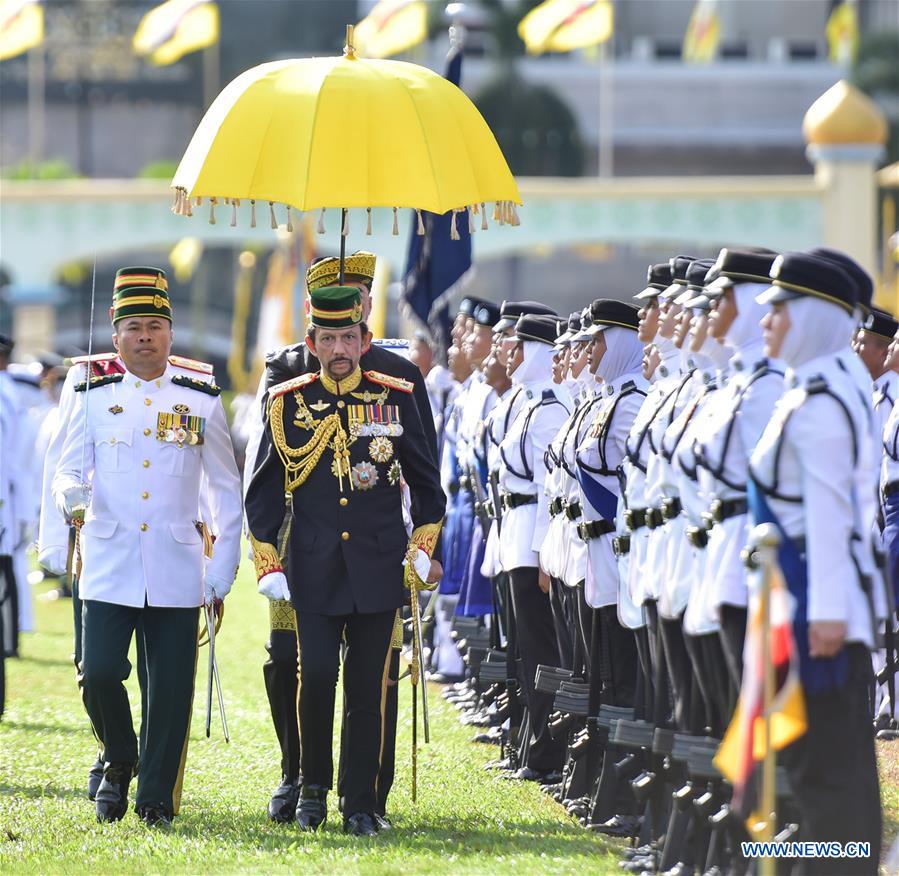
435, 263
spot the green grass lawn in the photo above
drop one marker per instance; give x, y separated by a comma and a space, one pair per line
466, 820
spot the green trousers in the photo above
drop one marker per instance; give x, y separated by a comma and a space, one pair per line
170, 644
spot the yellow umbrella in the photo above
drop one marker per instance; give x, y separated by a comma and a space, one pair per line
343, 133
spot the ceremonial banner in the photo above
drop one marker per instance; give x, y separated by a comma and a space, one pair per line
393, 26
703, 33
21, 27
565, 25
842, 33
176, 28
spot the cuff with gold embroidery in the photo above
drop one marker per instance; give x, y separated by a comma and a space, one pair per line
281, 616
421, 546
265, 558
425, 537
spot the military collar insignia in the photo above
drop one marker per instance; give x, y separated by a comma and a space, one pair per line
610, 390
116, 409
320, 406
342, 387
663, 370
178, 409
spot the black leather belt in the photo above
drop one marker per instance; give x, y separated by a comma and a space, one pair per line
621, 544
555, 507
489, 510
698, 536
517, 500
724, 509
573, 510
594, 529
671, 508
889, 489
635, 518
654, 518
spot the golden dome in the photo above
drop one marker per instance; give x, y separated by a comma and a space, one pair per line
844, 115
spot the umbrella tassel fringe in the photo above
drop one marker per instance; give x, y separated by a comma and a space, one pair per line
289, 221
454, 232
321, 222
212, 203
483, 216
396, 224
368, 225
515, 219
234, 203
497, 213
274, 220
471, 226
421, 224
252, 213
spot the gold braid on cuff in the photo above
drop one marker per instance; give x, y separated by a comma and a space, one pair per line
265, 558
423, 538
281, 616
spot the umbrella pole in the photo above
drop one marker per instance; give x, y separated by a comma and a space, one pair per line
342, 245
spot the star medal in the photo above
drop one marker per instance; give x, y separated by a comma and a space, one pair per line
364, 476
394, 473
380, 449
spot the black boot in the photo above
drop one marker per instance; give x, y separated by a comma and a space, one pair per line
312, 812
154, 815
283, 805
112, 795
94, 777
360, 824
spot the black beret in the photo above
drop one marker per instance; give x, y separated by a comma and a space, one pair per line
795, 274
696, 274
585, 322
879, 322
510, 311
486, 314
861, 278
570, 327
658, 279
744, 265
679, 266
607, 312
469, 303
6, 344
537, 328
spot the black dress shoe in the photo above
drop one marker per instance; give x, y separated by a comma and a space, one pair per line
154, 815
312, 812
283, 805
619, 825
443, 678
382, 822
94, 777
544, 777
112, 795
360, 824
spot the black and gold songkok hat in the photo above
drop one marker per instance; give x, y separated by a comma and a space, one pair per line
360, 266
140, 292
335, 306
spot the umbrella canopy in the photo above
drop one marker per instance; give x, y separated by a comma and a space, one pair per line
345, 132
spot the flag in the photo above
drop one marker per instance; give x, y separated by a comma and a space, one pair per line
842, 33
743, 750
21, 27
565, 25
703, 33
393, 26
176, 28
436, 264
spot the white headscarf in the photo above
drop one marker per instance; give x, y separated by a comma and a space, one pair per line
624, 354
817, 328
537, 366
746, 328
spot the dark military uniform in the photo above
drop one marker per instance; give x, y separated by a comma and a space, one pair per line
340, 450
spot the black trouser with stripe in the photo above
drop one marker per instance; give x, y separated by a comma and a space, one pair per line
365, 670
170, 640
536, 644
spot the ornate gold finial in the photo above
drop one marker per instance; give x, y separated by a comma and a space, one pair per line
843, 115
349, 50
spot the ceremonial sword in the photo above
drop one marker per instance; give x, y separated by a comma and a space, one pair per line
209, 611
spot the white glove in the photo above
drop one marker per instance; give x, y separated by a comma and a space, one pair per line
274, 586
73, 499
422, 565
54, 560
215, 588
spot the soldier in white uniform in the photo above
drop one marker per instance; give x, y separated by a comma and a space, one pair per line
152, 437
808, 474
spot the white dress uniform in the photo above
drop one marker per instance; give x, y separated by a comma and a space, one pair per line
140, 542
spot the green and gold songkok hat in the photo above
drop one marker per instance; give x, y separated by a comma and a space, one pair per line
335, 306
140, 292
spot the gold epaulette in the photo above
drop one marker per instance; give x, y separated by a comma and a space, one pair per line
390, 381
96, 357
293, 384
191, 364
197, 384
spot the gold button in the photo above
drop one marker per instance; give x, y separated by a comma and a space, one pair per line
146, 463
344, 501
159, 383
345, 536
144, 527
146, 431
148, 401
145, 495
112, 440
137, 383
341, 404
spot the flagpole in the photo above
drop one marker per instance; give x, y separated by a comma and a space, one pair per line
36, 103
768, 540
606, 138
211, 73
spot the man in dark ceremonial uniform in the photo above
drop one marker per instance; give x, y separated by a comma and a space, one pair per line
338, 443
280, 670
